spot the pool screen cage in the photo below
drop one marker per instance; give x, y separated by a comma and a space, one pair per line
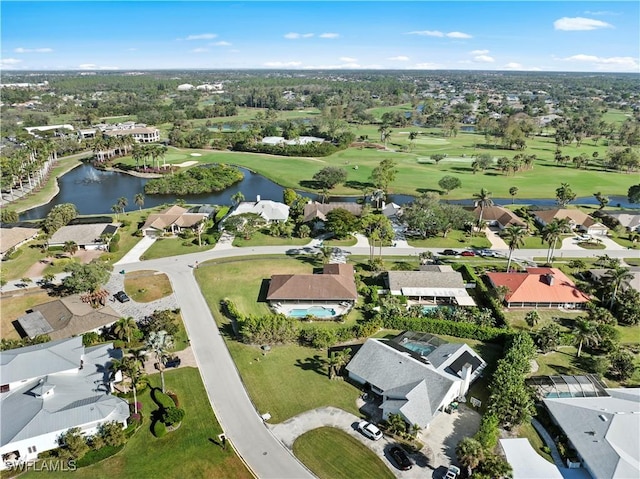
588, 385
418, 337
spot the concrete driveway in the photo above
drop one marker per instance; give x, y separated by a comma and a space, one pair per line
444, 434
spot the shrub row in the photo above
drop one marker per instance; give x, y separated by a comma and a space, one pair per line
449, 328
229, 309
319, 337
310, 149
114, 243
483, 293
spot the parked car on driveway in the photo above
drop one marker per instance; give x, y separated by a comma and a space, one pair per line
452, 473
121, 296
369, 430
584, 237
400, 457
467, 253
449, 252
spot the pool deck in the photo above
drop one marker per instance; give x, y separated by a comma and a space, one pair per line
286, 308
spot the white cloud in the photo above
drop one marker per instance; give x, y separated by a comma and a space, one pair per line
93, 66
33, 50
329, 35
438, 33
202, 36
348, 59
220, 44
483, 59
399, 58
10, 61
513, 66
200, 50
427, 33
458, 35
479, 52
606, 63
295, 36
342, 66
427, 66
282, 64
579, 23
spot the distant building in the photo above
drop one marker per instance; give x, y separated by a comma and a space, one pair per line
280, 140
50, 388
33, 130
270, 211
140, 134
185, 87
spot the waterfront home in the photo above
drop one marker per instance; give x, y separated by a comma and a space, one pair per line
48, 388
87, 236
172, 221
498, 216
314, 211
270, 211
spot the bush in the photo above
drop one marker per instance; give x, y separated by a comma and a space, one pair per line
229, 309
158, 429
161, 399
449, 328
172, 415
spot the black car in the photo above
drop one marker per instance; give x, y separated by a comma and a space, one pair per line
121, 296
400, 457
172, 362
449, 252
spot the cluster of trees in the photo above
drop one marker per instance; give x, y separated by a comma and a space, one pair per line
30, 164
183, 135
74, 445
59, 216
194, 181
427, 216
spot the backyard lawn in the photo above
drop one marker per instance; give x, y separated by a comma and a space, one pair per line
15, 306
186, 452
332, 454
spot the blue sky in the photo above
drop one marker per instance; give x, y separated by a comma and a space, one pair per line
479, 35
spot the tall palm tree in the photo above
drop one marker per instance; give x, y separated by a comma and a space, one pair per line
615, 278
552, 232
122, 202
159, 343
585, 333
138, 199
483, 200
514, 237
237, 198
124, 327
325, 254
513, 191
470, 453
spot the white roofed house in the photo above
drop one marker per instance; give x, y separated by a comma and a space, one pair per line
48, 388
270, 211
417, 375
429, 286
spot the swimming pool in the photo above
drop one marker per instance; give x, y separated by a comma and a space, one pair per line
420, 348
317, 311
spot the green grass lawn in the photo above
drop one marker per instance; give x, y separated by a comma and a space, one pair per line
332, 454
186, 452
289, 380
456, 239
29, 254
350, 241
515, 318
264, 239
164, 247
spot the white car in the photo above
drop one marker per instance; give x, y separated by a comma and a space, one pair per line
369, 430
452, 472
583, 237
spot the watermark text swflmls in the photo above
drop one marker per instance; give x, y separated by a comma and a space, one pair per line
43, 465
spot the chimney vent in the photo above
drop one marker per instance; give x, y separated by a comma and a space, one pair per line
550, 279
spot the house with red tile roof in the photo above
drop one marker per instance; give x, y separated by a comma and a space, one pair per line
539, 288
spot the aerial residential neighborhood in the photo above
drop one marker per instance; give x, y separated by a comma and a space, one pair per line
291, 240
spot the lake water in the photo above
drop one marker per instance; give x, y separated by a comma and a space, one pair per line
94, 192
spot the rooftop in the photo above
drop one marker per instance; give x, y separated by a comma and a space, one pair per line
83, 234
336, 283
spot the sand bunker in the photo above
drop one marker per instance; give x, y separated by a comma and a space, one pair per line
196, 154
184, 164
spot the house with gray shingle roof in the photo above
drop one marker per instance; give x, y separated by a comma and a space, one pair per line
417, 375
603, 429
49, 388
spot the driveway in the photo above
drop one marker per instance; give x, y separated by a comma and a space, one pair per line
445, 432
290, 429
494, 239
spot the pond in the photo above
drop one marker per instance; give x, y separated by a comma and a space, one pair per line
95, 191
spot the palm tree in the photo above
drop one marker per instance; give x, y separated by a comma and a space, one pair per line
552, 232
616, 277
70, 247
514, 237
483, 200
470, 453
122, 202
585, 333
325, 254
139, 355
139, 200
237, 198
513, 191
124, 327
159, 343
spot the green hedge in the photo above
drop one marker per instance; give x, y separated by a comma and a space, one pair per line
161, 399
484, 295
158, 429
449, 328
97, 455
